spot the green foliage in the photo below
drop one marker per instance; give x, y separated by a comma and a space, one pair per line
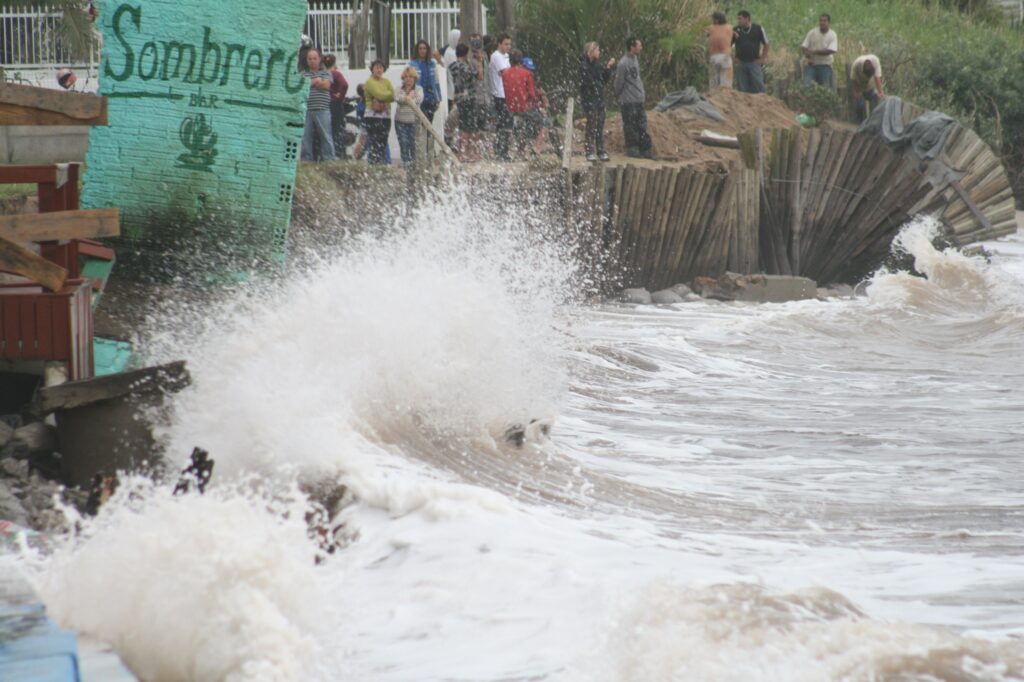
961, 57
553, 32
814, 100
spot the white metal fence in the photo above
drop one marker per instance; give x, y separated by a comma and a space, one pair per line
30, 37
329, 25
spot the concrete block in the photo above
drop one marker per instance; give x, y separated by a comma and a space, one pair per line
756, 288
776, 289
43, 144
104, 424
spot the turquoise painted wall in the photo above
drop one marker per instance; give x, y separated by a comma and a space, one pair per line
206, 112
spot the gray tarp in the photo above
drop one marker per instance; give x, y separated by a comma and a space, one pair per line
690, 100
925, 137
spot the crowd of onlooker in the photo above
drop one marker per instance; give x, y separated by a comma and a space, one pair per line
498, 110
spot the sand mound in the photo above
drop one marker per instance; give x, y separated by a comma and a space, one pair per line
675, 132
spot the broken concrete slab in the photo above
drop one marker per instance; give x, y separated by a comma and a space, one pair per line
756, 288
104, 424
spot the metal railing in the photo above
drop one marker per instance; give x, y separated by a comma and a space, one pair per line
30, 40
329, 25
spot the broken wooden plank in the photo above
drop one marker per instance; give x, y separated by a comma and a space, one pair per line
21, 261
60, 225
171, 377
32, 105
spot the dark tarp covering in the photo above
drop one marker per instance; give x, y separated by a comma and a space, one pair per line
690, 100
925, 137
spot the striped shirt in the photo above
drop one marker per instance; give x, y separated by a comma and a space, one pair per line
319, 100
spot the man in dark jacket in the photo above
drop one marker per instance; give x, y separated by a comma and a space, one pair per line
629, 88
593, 77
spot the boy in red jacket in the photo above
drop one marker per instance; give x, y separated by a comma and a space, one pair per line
521, 100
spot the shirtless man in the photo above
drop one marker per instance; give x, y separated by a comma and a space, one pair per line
720, 49
866, 79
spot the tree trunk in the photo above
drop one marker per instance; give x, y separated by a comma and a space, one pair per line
357, 47
382, 32
471, 19
506, 19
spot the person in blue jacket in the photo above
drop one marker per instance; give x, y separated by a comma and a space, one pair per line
424, 62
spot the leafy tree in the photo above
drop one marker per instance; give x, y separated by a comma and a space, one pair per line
553, 33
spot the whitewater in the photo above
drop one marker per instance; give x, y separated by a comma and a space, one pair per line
816, 490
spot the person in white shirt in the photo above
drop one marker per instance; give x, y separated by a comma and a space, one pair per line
819, 48
502, 118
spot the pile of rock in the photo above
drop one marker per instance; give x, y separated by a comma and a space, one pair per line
27, 498
674, 294
730, 287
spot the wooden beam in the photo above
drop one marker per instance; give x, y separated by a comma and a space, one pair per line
966, 198
53, 173
31, 105
425, 122
21, 261
61, 225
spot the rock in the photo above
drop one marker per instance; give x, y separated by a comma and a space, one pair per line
6, 431
14, 468
666, 296
641, 296
756, 288
681, 290
37, 439
11, 508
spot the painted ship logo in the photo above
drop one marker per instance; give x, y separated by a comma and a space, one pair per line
200, 140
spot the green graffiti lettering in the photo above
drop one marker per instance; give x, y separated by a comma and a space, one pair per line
129, 55
209, 47
252, 65
149, 48
179, 49
275, 56
300, 82
232, 48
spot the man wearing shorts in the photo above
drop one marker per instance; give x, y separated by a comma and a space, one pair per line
465, 77
720, 51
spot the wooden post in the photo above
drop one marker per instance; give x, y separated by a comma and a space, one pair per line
567, 161
360, 36
567, 138
425, 122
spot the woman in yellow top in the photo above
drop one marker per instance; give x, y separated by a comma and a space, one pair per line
379, 94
